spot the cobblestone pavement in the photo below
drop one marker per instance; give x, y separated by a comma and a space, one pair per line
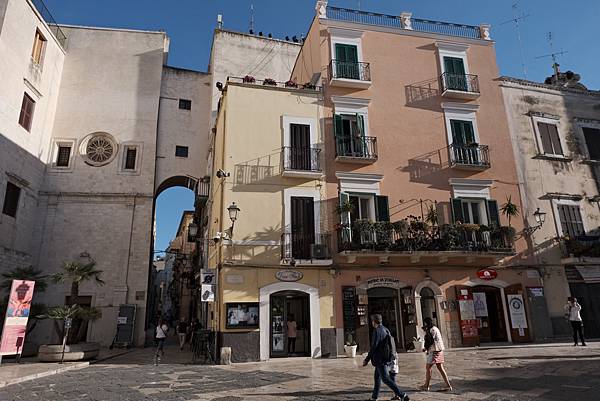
508, 374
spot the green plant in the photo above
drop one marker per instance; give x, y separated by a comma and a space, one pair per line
432, 216
28, 273
509, 209
350, 340
401, 227
344, 207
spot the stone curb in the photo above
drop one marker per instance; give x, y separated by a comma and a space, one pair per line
51, 372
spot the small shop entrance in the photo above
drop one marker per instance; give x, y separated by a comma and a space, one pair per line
489, 311
287, 306
385, 302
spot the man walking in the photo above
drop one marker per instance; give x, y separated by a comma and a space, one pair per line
182, 329
381, 356
573, 313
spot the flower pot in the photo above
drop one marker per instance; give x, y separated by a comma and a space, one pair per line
350, 350
419, 345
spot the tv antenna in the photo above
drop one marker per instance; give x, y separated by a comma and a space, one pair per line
251, 28
554, 55
516, 19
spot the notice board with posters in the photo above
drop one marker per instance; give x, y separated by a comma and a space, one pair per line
469, 324
17, 315
349, 312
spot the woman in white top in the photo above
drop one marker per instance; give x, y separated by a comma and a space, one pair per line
434, 346
160, 337
573, 314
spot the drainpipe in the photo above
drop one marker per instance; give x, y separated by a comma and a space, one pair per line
129, 249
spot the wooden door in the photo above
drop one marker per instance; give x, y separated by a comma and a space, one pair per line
302, 227
300, 155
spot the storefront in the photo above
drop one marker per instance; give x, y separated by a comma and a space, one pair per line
468, 309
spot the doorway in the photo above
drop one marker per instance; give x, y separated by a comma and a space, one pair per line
302, 226
287, 307
489, 311
385, 302
428, 305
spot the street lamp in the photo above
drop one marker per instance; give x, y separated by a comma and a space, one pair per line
233, 210
540, 218
192, 231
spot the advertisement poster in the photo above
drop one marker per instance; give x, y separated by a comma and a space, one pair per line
208, 277
17, 314
469, 323
516, 307
480, 304
242, 315
207, 293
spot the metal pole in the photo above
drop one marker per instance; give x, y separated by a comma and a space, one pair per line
62, 357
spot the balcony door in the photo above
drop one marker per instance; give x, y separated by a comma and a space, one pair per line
463, 140
456, 79
346, 57
302, 226
350, 135
300, 154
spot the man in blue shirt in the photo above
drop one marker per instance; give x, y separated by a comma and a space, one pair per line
381, 356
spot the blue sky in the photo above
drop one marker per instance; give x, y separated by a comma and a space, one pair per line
190, 23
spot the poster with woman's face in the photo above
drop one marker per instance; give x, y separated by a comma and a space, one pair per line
17, 314
244, 315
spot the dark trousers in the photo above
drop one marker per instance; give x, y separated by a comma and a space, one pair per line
577, 328
291, 345
382, 373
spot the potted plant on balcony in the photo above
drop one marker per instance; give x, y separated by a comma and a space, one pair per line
291, 84
432, 216
509, 209
248, 79
344, 207
350, 346
269, 81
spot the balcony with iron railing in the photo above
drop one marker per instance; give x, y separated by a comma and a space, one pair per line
52, 24
418, 238
351, 74
469, 157
309, 247
460, 86
412, 24
581, 247
302, 162
356, 149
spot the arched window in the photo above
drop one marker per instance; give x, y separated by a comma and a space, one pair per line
428, 304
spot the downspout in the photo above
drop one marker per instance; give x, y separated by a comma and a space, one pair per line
129, 249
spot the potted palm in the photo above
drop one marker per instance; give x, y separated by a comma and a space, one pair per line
350, 346
509, 209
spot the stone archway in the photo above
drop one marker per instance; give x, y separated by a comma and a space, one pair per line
264, 313
439, 298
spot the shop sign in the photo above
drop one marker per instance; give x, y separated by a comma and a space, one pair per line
289, 275
517, 311
17, 314
390, 282
487, 274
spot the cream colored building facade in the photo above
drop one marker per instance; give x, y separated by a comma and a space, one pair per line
255, 133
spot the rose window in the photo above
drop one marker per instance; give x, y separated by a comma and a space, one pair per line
99, 149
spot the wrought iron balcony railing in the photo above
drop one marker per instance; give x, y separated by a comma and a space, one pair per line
301, 159
405, 236
47, 16
581, 246
350, 70
356, 147
470, 156
393, 21
459, 82
303, 246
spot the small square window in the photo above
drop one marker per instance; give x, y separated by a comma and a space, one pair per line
185, 104
130, 158
181, 151
63, 156
26, 116
11, 200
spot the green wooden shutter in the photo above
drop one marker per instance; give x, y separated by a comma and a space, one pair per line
344, 216
457, 210
383, 208
360, 122
469, 132
454, 65
592, 140
340, 52
337, 124
493, 214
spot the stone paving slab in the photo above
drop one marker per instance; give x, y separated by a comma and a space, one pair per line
505, 374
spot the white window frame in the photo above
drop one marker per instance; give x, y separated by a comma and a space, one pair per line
457, 50
482, 208
311, 122
346, 37
460, 111
371, 202
570, 202
350, 105
538, 138
56, 143
584, 123
138, 158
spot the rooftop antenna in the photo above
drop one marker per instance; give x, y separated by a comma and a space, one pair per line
553, 54
252, 17
516, 19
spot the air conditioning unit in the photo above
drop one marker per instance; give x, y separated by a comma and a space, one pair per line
319, 251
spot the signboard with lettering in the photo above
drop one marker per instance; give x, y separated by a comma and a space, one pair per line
289, 275
349, 311
17, 314
487, 274
516, 307
390, 282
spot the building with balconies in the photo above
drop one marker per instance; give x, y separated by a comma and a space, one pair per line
555, 131
274, 260
416, 156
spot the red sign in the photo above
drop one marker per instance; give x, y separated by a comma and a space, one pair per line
17, 313
487, 274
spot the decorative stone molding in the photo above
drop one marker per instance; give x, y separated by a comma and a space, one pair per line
321, 8
484, 30
405, 20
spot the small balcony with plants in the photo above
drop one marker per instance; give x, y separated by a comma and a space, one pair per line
302, 162
472, 156
459, 86
305, 248
349, 74
581, 248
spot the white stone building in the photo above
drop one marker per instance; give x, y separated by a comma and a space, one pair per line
555, 132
